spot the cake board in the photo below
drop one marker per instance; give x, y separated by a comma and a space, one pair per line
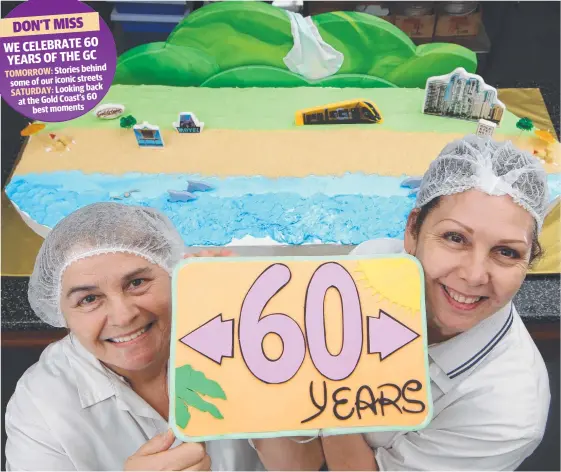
274, 184
330, 27
24, 243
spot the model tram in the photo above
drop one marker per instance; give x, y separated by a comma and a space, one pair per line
349, 112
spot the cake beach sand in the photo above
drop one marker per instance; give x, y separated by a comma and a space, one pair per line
251, 132
225, 153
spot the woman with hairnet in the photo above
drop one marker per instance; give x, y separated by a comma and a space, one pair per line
475, 230
95, 398
98, 399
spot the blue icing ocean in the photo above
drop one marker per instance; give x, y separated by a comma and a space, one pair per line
349, 209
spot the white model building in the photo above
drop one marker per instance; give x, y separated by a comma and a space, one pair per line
485, 128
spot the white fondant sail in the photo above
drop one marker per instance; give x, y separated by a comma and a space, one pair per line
310, 56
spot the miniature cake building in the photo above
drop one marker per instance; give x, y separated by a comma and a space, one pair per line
485, 128
269, 181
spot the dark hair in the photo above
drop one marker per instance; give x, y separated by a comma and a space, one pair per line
535, 254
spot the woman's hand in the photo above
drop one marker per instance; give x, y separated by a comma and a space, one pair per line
287, 454
157, 455
348, 452
211, 253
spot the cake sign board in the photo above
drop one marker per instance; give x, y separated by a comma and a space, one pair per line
462, 95
294, 346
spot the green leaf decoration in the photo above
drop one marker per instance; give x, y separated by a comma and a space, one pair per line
243, 44
182, 415
190, 384
193, 399
191, 379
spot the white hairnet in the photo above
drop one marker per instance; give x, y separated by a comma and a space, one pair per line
494, 168
100, 228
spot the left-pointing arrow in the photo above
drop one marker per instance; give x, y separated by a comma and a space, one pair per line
214, 339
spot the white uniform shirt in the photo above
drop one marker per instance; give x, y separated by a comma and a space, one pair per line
489, 385
490, 393
69, 412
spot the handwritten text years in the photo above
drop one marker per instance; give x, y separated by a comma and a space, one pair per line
365, 400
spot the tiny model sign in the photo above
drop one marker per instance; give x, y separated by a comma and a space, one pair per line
109, 111
293, 346
148, 135
188, 123
462, 95
485, 128
340, 113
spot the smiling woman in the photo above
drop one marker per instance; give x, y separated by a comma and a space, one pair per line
475, 249
478, 213
98, 399
118, 307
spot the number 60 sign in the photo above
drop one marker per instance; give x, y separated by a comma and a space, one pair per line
294, 346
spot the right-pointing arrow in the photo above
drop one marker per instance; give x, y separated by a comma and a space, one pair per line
387, 335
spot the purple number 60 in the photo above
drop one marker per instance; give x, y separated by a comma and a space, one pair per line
252, 330
340, 366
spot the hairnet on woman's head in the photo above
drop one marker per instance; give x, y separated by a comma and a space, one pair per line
96, 229
492, 167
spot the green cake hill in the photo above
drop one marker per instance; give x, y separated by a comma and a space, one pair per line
242, 44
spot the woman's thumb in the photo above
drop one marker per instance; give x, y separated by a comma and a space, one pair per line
159, 443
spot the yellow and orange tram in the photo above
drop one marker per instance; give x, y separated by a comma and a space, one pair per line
347, 112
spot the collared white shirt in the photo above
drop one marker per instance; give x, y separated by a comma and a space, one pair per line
69, 412
490, 393
489, 386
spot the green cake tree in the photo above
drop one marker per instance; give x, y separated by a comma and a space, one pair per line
525, 124
127, 122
